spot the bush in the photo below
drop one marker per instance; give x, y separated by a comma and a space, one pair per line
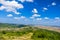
45, 35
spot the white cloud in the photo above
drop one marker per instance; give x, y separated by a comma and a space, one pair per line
22, 0
17, 13
34, 10
2, 7
45, 8
53, 3
57, 18
22, 17
10, 6
32, 17
39, 19
29, 0
36, 15
26, 0
9, 15
46, 18
16, 18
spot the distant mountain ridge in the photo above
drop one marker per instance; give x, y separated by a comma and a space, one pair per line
3, 25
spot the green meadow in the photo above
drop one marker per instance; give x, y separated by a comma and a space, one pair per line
15, 32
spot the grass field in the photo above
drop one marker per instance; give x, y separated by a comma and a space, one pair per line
28, 33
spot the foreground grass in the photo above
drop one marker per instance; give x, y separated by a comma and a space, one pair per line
23, 37
29, 33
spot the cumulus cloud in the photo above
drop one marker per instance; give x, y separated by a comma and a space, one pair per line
26, 0
53, 3
29, 0
32, 17
2, 7
57, 18
22, 0
35, 15
39, 19
10, 6
34, 10
16, 18
46, 18
9, 15
45, 8
22, 17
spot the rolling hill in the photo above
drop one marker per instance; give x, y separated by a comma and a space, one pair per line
25, 32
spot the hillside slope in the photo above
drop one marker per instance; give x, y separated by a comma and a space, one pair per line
29, 33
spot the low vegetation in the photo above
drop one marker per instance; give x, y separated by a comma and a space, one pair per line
28, 33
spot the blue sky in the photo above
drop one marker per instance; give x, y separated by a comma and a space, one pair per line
38, 12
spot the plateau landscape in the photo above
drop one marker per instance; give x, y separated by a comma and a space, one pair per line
29, 19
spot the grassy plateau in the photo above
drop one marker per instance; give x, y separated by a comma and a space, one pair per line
25, 32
